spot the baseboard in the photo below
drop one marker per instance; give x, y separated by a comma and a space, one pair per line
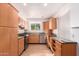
22, 52
36, 43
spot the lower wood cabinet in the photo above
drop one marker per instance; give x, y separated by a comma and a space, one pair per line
48, 41
64, 48
8, 41
21, 45
13, 41
57, 46
4, 41
34, 38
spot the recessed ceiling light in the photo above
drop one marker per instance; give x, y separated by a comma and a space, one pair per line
45, 4
25, 4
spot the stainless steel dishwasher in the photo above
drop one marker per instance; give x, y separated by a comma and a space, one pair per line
42, 38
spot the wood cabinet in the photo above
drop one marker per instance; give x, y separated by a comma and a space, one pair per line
13, 41
4, 14
4, 41
63, 48
46, 26
8, 15
57, 46
52, 23
48, 41
34, 38
8, 30
13, 17
21, 45
8, 41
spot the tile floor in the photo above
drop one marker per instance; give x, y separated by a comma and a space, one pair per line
37, 50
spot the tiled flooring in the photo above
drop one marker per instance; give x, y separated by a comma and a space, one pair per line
37, 50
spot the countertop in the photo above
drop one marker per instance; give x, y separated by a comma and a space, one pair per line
19, 37
62, 40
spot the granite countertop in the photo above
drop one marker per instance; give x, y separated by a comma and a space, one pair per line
62, 40
19, 37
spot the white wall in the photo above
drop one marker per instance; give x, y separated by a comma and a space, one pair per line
63, 22
64, 26
74, 18
74, 15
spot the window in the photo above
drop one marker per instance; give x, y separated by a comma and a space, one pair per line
35, 26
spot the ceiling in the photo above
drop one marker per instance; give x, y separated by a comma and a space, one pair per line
38, 10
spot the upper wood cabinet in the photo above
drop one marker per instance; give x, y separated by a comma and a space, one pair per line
4, 8
8, 15
13, 17
52, 23
46, 26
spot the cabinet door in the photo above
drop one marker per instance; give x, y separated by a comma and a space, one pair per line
52, 23
4, 41
48, 42
44, 26
58, 48
34, 38
47, 26
13, 41
13, 17
4, 14
21, 45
